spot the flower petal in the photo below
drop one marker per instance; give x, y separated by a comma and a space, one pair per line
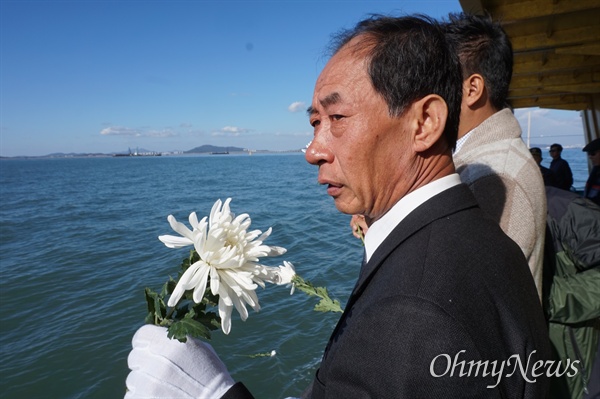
193, 220
240, 306
182, 285
225, 314
174, 241
214, 281
199, 281
176, 295
180, 227
286, 273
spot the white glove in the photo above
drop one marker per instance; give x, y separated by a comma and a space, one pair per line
166, 368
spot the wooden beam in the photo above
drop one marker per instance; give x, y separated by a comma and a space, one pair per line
539, 93
472, 6
556, 46
583, 49
587, 82
554, 103
568, 30
550, 62
510, 11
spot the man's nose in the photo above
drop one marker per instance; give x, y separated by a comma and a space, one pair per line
318, 153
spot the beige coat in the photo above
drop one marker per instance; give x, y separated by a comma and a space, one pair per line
496, 165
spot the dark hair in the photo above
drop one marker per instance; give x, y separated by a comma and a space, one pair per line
557, 146
536, 151
484, 48
408, 60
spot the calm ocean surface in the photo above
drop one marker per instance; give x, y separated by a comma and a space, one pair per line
78, 244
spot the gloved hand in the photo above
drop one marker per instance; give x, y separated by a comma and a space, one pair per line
166, 368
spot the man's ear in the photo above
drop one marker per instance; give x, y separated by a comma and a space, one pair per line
431, 113
473, 89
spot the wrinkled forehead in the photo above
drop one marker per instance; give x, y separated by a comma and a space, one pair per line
346, 63
345, 71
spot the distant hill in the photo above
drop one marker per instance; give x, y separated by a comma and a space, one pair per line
213, 148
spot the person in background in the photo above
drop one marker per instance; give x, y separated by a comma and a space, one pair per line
572, 293
490, 156
592, 185
441, 280
547, 174
561, 169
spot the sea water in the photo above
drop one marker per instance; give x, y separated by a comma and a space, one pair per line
78, 245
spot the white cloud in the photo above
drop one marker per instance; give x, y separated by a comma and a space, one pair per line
294, 134
127, 131
120, 131
160, 133
297, 106
547, 126
230, 131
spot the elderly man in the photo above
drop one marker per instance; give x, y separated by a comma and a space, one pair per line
445, 305
440, 277
490, 156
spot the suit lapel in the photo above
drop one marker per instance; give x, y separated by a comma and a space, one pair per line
450, 201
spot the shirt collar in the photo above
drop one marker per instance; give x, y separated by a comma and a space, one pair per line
461, 141
380, 229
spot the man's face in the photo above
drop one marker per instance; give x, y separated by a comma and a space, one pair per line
364, 155
537, 158
554, 153
594, 157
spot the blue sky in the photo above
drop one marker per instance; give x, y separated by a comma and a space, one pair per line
102, 76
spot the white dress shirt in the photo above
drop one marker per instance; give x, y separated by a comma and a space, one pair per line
379, 230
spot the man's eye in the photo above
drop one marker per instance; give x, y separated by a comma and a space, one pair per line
337, 117
315, 123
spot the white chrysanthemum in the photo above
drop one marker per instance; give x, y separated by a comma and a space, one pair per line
280, 275
228, 256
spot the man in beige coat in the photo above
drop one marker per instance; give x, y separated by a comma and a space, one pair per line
490, 155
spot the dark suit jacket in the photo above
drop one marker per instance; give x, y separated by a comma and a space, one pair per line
446, 284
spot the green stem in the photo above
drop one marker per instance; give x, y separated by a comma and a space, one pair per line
326, 304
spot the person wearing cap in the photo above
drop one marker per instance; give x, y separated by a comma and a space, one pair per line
547, 174
592, 185
560, 168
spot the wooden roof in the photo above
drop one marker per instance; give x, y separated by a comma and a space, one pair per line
556, 46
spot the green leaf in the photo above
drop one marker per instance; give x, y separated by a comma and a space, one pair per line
209, 320
326, 304
188, 327
156, 307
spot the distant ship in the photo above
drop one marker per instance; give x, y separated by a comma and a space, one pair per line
138, 154
220, 153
